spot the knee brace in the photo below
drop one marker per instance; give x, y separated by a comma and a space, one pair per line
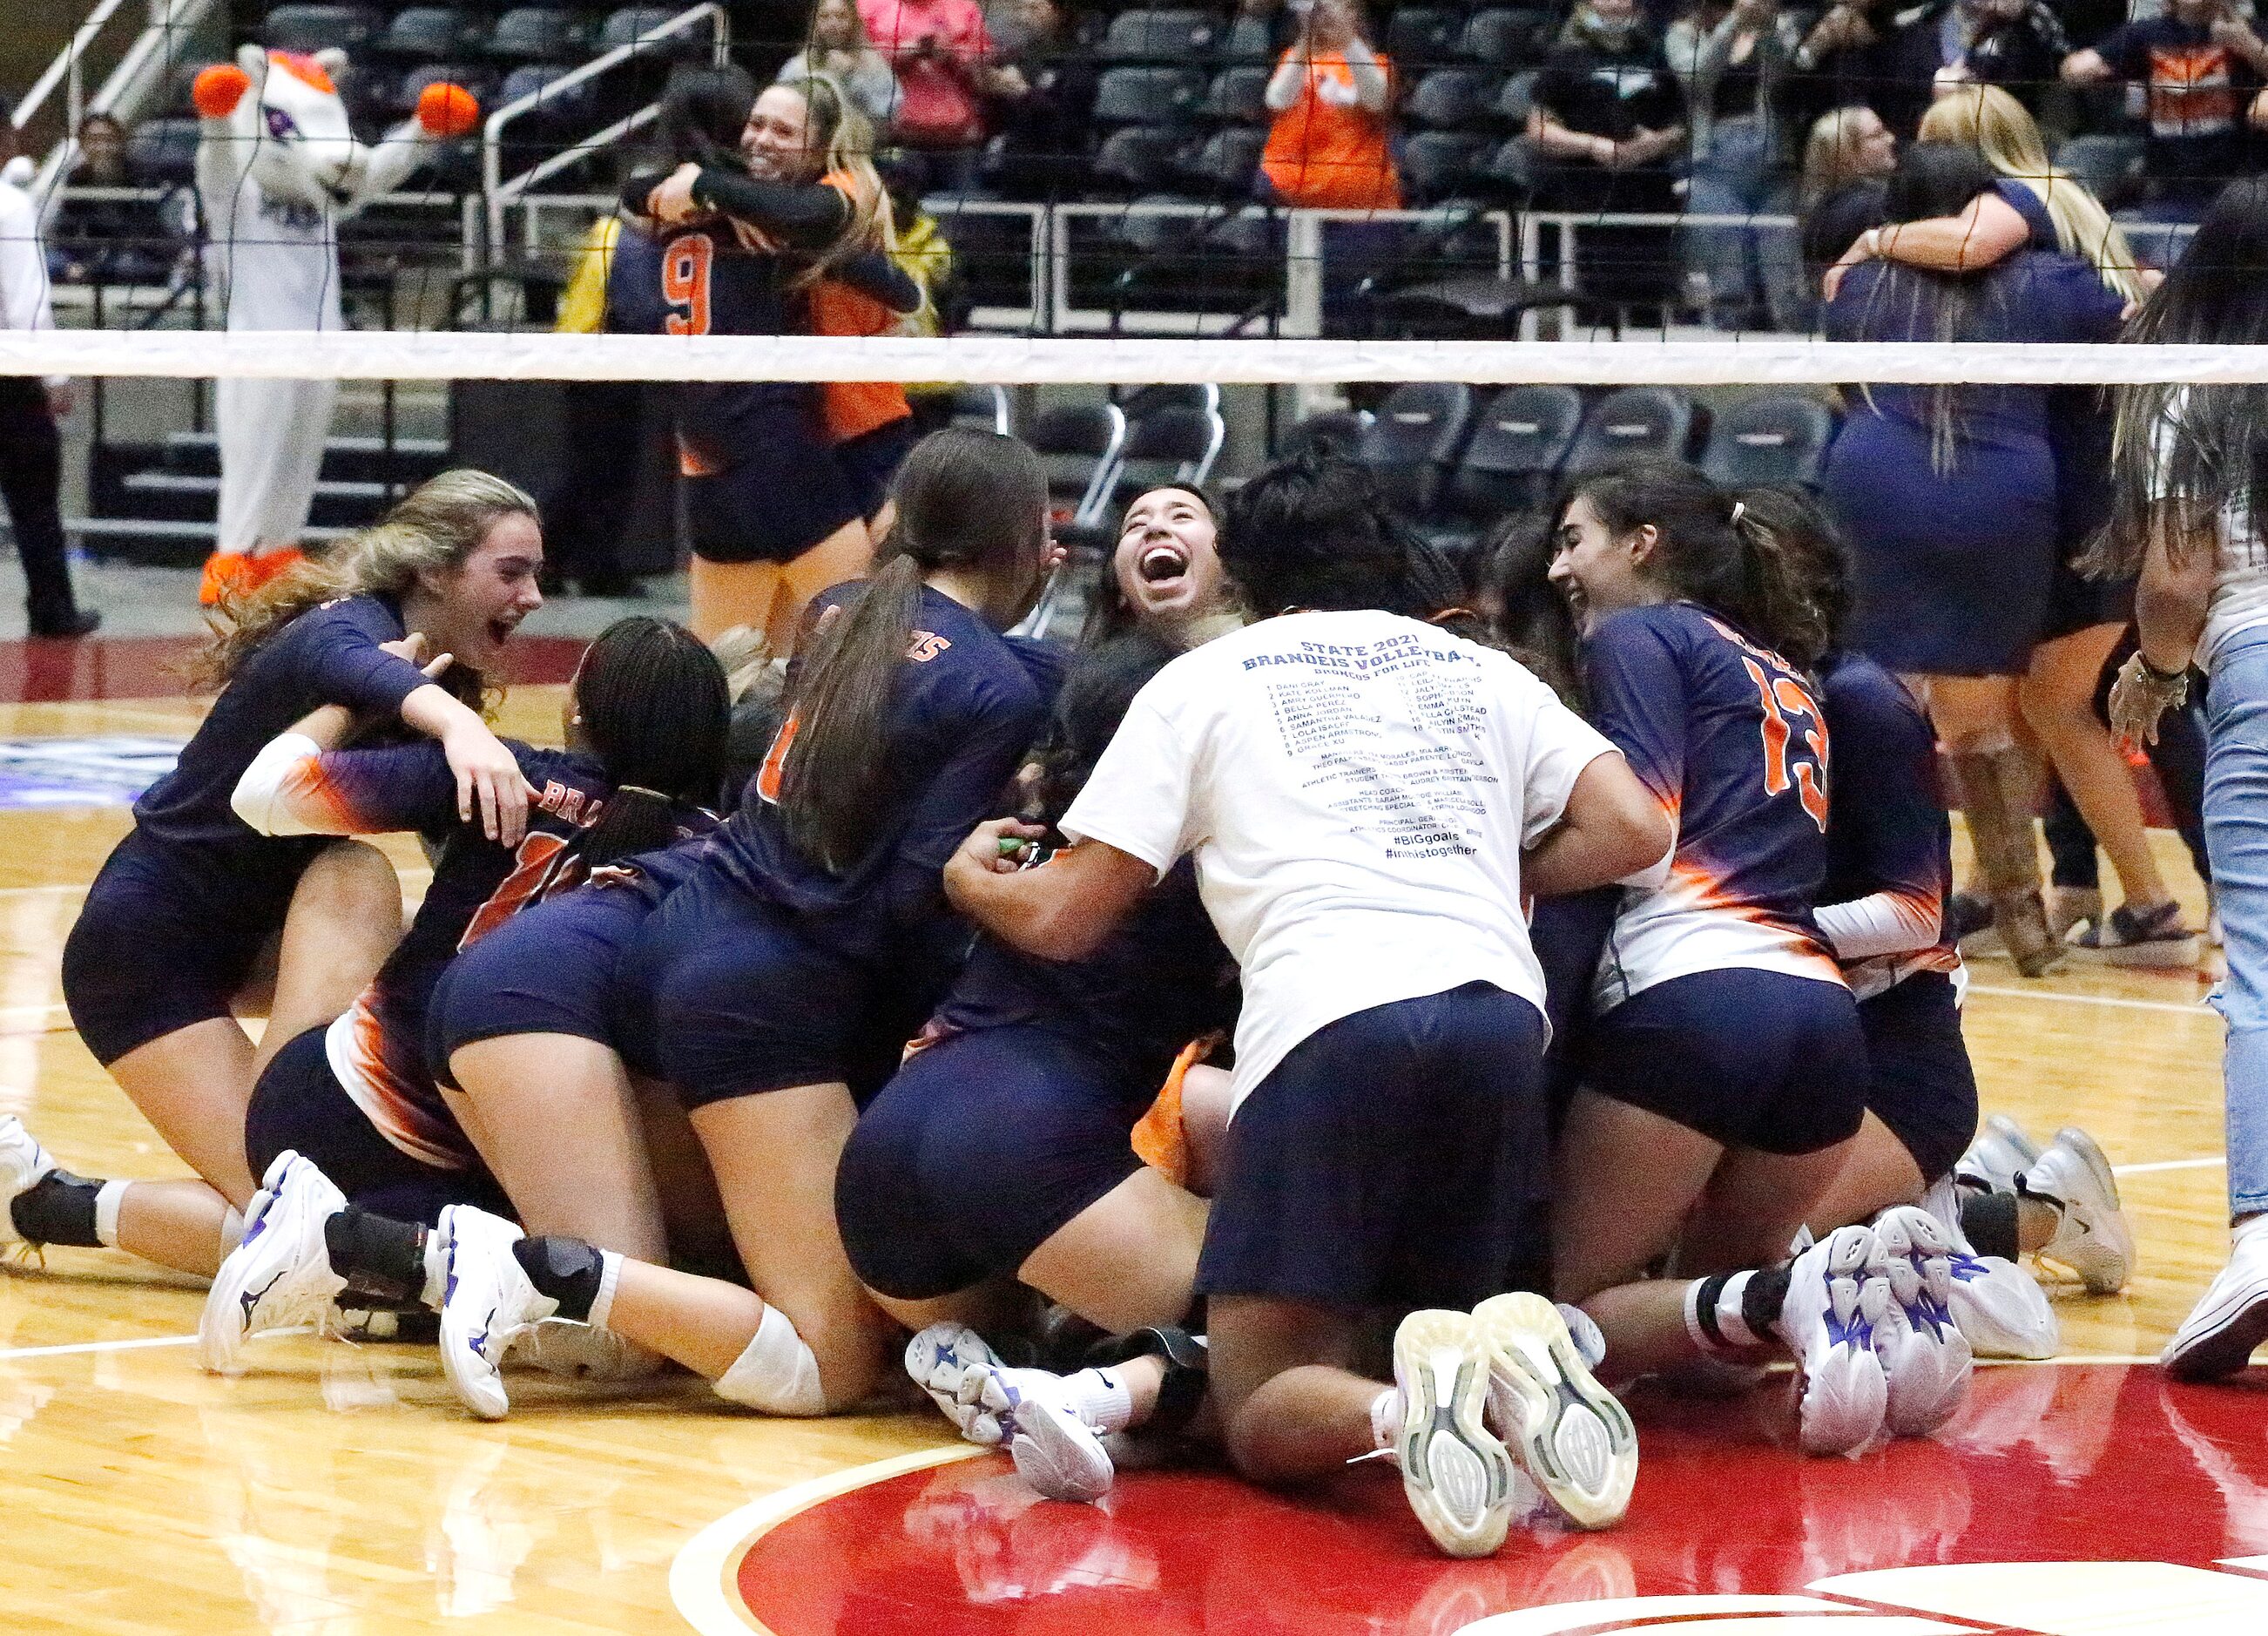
777, 1373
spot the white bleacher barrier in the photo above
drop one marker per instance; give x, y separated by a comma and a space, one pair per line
1776, 360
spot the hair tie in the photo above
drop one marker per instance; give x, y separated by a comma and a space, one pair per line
1739, 510
639, 789
1447, 613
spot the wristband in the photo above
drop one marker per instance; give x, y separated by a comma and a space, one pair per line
2164, 678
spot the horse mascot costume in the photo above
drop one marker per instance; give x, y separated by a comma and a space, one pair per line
278, 168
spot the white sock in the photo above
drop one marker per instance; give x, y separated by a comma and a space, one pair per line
1102, 1399
1386, 1419
602, 1304
107, 1201
437, 1271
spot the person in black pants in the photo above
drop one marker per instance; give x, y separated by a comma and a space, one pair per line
30, 453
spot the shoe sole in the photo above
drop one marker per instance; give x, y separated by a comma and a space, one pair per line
1849, 1379
970, 1354
1918, 1402
1576, 1439
221, 1331
1458, 1476
1055, 1460
2226, 1343
2156, 954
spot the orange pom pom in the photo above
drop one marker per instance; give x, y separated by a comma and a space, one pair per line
446, 110
219, 89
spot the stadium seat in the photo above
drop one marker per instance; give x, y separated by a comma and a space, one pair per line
1472, 307
632, 25
1141, 159
1225, 166
1506, 38
553, 114
1239, 96
1421, 37
1080, 445
162, 151
1780, 438
1148, 400
1519, 443
1414, 440
1516, 98
1508, 173
1162, 36
318, 27
1176, 443
1638, 423
428, 33
1250, 39
1438, 165
536, 33
1451, 99
982, 408
1148, 96
1333, 432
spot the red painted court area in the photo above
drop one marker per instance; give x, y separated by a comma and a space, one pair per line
2082, 1463
43, 671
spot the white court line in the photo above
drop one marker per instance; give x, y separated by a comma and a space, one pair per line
697, 1578
2168, 1164
82, 1347
2185, 1008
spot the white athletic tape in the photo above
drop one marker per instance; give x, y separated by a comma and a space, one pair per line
1009, 360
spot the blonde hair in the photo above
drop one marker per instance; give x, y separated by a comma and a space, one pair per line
1995, 124
845, 139
434, 528
1831, 152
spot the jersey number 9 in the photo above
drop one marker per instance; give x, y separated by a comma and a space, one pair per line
1783, 697
684, 282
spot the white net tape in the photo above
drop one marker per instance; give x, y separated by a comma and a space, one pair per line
1786, 360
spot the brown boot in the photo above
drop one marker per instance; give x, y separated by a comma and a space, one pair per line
1995, 792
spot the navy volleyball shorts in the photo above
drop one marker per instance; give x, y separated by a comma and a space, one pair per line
170, 933
1920, 1082
1398, 1158
1749, 1059
981, 1149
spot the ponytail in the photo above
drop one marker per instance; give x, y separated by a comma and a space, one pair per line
651, 704
832, 777
1711, 552
966, 500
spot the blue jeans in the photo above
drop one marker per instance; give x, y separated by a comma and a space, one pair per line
1756, 275
2236, 840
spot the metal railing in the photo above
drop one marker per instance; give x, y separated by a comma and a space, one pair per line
123, 89
499, 192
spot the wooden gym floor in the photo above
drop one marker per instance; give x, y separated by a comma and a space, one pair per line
339, 1489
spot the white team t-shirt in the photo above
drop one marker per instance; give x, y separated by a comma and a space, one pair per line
1356, 789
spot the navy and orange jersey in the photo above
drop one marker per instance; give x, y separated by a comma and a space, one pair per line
329, 655
1731, 741
703, 281
965, 707
1887, 831
376, 1048
1161, 979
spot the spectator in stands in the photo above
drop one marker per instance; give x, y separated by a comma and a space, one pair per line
2018, 45
1608, 121
31, 451
1733, 61
1876, 53
116, 241
1044, 99
839, 46
2202, 65
1846, 158
943, 56
1331, 94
